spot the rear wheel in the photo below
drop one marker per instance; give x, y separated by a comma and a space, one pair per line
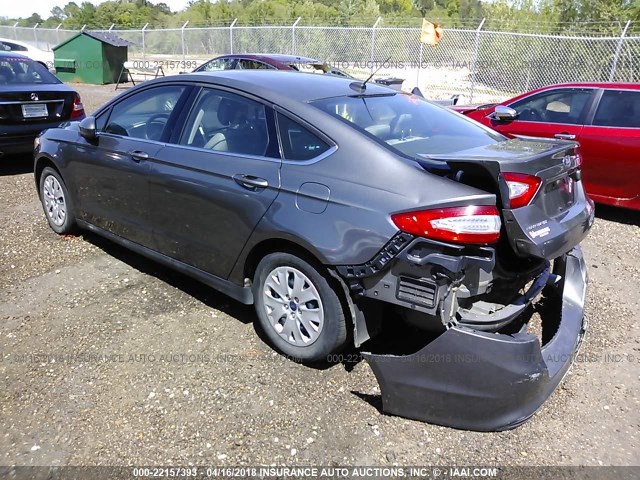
297, 308
56, 202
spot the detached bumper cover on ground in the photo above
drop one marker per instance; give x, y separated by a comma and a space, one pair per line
482, 381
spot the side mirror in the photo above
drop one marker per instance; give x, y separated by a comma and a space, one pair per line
88, 128
505, 114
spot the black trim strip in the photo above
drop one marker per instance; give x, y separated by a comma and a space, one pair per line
241, 294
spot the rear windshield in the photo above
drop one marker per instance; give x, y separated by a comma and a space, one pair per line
18, 71
409, 124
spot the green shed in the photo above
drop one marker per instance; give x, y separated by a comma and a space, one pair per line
90, 57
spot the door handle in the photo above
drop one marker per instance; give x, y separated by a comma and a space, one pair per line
138, 155
250, 182
565, 136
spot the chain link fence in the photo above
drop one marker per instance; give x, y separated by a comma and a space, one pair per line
478, 64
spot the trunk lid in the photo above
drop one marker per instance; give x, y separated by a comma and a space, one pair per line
37, 103
558, 216
464, 109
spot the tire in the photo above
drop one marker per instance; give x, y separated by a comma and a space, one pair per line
56, 202
310, 324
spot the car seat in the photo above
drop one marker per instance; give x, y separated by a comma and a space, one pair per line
205, 122
231, 114
401, 127
558, 111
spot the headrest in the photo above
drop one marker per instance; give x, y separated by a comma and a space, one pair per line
232, 112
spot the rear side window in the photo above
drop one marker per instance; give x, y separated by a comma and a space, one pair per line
298, 143
225, 122
618, 108
556, 106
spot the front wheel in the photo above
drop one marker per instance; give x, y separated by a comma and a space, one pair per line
56, 202
297, 308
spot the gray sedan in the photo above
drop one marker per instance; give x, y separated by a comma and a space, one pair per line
324, 201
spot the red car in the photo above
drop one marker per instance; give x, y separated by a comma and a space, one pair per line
603, 117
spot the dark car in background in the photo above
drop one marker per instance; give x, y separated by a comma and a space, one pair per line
603, 117
268, 61
31, 100
321, 200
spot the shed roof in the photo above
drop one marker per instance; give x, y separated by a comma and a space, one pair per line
104, 37
109, 38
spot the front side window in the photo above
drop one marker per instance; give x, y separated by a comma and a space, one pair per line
557, 106
618, 108
298, 143
408, 124
144, 114
226, 122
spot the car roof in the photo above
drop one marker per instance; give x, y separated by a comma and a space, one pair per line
17, 42
269, 84
605, 85
631, 85
4, 54
273, 57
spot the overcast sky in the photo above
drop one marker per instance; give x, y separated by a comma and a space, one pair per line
23, 9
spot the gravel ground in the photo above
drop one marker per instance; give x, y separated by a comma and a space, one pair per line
186, 380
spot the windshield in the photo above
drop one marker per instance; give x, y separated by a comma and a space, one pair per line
18, 71
409, 124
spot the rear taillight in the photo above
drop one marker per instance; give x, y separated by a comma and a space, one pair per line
472, 224
522, 188
78, 108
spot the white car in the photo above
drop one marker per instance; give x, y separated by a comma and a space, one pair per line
40, 56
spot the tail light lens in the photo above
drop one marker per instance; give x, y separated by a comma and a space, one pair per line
472, 224
78, 108
522, 188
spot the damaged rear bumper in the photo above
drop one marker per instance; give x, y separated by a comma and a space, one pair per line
486, 381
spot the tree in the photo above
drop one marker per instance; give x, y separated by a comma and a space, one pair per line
634, 11
395, 6
32, 20
557, 16
58, 13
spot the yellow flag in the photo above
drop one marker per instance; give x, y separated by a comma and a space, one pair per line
431, 33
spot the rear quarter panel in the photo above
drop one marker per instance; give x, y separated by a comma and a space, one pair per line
366, 183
